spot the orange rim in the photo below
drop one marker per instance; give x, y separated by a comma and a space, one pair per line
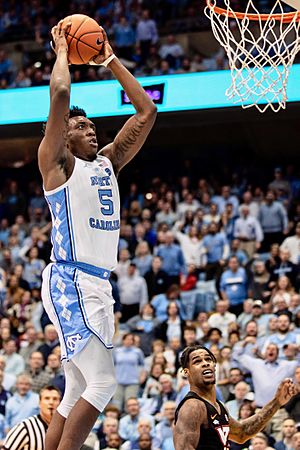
284, 17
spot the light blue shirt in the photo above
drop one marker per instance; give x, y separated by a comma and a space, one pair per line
160, 304
273, 218
221, 202
162, 431
2, 427
146, 30
266, 376
168, 444
124, 35
241, 256
14, 364
128, 426
234, 284
281, 340
143, 263
215, 245
172, 259
233, 407
128, 363
19, 408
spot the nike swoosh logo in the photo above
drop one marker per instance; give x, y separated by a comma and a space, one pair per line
98, 42
212, 417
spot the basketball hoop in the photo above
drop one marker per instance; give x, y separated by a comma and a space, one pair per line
261, 49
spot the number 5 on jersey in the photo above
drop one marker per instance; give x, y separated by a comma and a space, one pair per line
107, 208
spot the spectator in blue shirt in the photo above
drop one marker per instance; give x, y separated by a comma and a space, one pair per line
168, 393
234, 285
172, 258
160, 303
283, 336
6, 67
23, 404
236, 251
128, 427
225, 198
163, 430
146, 33
143, 325
4, 395
217, 251
2, 428
274, 221
129, 365
228, 219
143, 257
4, 231
124, 38
288, 430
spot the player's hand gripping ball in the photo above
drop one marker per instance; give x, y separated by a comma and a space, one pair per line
84, 38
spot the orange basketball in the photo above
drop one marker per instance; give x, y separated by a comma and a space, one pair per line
85, 38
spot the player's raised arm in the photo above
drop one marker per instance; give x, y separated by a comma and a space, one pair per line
52, 153
132, 136
241, 431
186, 434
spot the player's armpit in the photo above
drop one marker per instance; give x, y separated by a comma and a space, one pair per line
187, 429
130, 139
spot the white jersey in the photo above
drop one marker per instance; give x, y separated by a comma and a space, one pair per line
85, 214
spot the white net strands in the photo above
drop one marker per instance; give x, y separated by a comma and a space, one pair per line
261, 49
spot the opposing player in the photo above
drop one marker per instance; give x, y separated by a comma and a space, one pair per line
82, 193
201, 421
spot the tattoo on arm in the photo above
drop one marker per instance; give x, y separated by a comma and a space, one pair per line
129, 139
65, 131
245, 429
187, 429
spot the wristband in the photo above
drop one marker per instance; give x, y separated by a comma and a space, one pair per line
105, 63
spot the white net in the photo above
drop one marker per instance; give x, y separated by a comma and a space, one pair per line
260, 52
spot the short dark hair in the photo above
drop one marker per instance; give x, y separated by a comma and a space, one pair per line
50, 387
145, 434
76, 111
236, 368
126, 336
112, 408
190, 328
185, 356
212, 330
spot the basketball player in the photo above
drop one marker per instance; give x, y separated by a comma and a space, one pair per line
80, 184
201, 421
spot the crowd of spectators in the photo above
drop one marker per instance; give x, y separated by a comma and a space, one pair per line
134, 28
197, 263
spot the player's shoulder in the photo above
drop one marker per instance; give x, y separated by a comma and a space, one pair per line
191, 411
191, 405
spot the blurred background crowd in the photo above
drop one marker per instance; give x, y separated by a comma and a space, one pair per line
151, 38
200, 260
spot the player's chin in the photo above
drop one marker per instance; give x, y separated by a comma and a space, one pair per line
92, 153
209, 381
